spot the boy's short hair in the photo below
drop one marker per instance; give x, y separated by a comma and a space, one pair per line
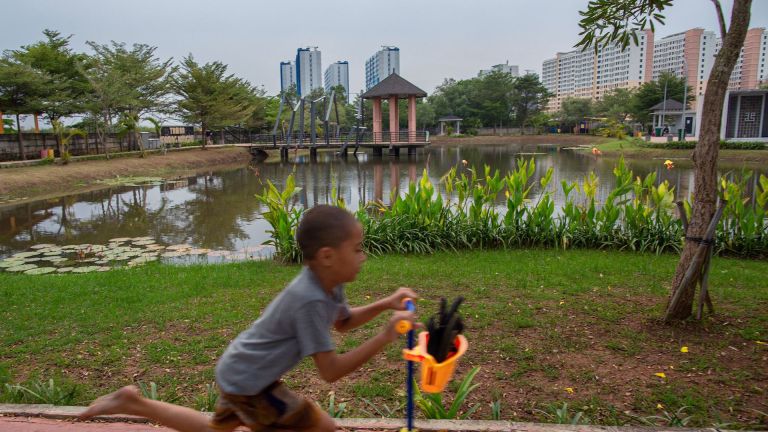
323, 226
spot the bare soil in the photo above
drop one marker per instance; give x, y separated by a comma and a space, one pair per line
51, 180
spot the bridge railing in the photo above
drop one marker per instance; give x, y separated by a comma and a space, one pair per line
367, 137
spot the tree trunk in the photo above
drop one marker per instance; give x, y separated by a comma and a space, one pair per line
205, 135
19, 138
705, 158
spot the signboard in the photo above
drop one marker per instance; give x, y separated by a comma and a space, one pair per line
177, 134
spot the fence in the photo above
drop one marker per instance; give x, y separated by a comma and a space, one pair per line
34, 143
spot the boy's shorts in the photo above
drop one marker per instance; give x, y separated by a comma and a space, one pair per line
275, 407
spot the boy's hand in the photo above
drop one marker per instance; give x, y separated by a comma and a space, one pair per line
395, 301
391, 330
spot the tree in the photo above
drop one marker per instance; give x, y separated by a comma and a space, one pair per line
209, 97
146, 80
615, 21
21, 89
652, 93
66, 85
527, 99
617, 104
574, 110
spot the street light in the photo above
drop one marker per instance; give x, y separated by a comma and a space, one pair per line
685, 95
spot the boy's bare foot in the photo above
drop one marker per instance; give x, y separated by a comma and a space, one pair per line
119, 402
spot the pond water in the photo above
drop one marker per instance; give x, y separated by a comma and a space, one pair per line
218, 211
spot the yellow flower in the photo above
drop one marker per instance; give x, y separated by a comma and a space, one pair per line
569, 390
669, 164
507, 194
659, 406
684, 349
660, 374
562, 302
761, 343
464, 162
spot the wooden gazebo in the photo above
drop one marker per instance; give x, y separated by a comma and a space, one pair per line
392, 88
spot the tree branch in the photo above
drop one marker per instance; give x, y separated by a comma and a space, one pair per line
720, 18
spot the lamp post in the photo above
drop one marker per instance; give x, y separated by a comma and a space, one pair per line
685, 95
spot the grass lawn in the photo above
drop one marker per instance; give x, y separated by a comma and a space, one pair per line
630, 150
547, 327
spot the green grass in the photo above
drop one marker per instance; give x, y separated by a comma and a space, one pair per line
538, 321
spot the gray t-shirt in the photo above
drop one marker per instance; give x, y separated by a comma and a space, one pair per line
296, 324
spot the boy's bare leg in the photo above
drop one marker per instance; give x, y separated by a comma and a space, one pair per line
127, 400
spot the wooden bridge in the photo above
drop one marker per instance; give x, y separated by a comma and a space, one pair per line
353, 141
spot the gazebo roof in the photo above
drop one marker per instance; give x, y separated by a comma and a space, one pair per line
394, 85
672, 105
450, 118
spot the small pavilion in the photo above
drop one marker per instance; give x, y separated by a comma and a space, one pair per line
450, 118
670, 114
393, 88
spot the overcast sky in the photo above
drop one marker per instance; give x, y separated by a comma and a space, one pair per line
437, 38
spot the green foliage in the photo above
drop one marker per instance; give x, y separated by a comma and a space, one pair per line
209, 97
652, 93
39, 392
494, 99
573, 110
667, 419
637, 214
207, 402
432, 407
495, 410
561, 415
65, 135
616, 104
283, 216
332, 408
608, 22
382, 410
690, 145
613, 129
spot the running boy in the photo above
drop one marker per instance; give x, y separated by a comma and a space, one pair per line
296, 324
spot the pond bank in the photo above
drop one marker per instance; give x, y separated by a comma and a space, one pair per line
44, 181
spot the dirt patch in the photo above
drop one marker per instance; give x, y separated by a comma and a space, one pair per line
52, 180
519, 139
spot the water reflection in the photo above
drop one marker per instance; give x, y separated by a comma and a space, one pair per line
219, 211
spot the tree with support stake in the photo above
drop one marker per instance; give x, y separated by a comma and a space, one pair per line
609, 22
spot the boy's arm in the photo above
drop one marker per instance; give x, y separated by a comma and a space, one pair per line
361, 315
333, 366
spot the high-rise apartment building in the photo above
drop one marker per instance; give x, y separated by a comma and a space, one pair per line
381, 65
287, 75
689, 54
590, 74
337, 74
308, 70
504, 67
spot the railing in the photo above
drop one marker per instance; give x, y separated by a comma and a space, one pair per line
366, 138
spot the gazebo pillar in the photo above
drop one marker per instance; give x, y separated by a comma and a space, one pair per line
377, 120
394, 120
2, 125
37, 124
458, 127
411, 119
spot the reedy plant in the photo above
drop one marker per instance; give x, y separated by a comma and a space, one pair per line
431, 404
283, 216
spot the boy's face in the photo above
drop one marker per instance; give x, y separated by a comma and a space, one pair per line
348, 257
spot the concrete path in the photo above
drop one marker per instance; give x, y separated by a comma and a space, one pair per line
49, 418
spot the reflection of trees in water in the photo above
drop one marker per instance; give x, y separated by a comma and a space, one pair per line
214, 217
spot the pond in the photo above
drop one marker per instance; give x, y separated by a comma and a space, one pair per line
218, 212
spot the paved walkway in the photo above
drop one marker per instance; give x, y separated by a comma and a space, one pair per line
38, 424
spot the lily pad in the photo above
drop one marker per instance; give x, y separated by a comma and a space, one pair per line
40, 270
87, 269
21, 268
179, 247
42, 246
25, 254
119, 240
11, 263
104, 268
65, 269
